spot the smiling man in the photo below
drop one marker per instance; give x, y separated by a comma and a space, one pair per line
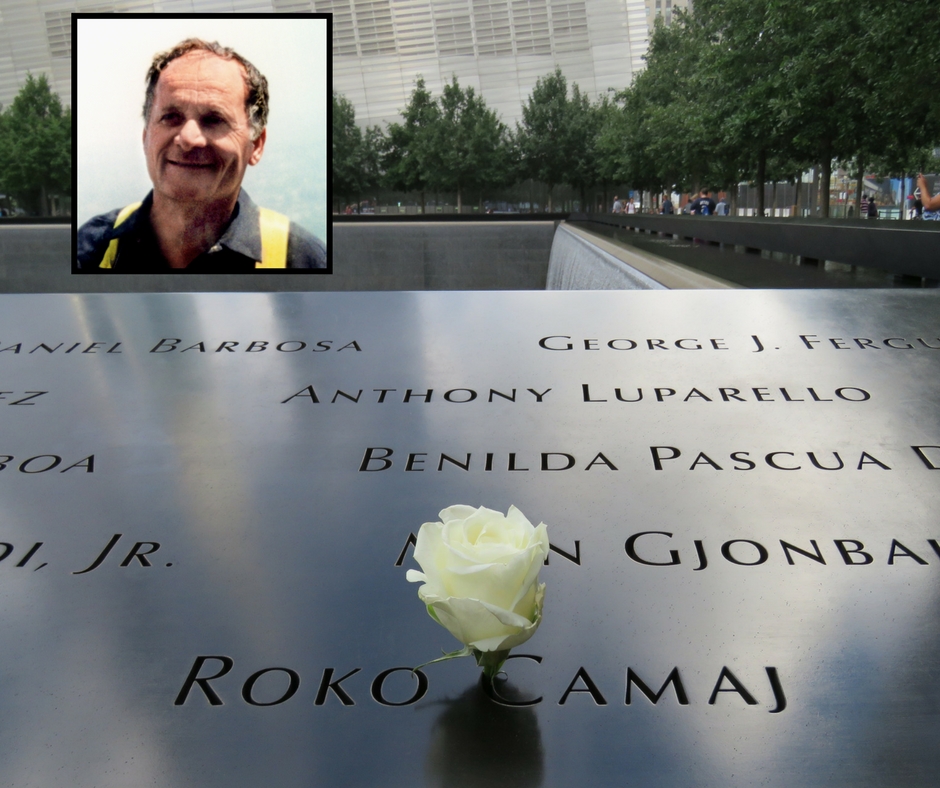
205, 116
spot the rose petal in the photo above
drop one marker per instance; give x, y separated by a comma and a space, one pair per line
479, 575
456, 512
482, 626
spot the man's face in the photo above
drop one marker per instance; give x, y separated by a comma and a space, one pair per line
198, 139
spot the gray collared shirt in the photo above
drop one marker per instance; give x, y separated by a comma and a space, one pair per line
236, 251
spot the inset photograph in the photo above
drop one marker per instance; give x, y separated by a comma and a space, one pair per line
201, 144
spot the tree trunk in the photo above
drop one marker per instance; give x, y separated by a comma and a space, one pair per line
812, 199
459, 199
824, 182
550, 187
761, 175
826, 178
902, 199
860, 176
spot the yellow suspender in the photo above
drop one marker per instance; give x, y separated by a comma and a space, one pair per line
111, 251
275, 229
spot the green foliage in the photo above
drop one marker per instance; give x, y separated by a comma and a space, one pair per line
36, 146
905, 103
673, 128
470, 143
347, 149
356, 156
373, 143
583, 130
453, 143
610, 141
803, 84
410, 155
562, 139
543, 139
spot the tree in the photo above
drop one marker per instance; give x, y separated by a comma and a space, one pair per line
905, 103
36, 146
672, 134
408, 157
583, 129
746, 55
373, 143
832, 80
609, 143
348, 150
470, 143
542, 138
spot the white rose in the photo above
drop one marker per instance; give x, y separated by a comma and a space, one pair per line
481, 571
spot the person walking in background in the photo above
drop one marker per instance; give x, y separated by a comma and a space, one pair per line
863, 210
703, 205
872, 209
631, 206
618, 206
931, 204
722, 208
667, 207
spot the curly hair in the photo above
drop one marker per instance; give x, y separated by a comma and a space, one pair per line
256, 104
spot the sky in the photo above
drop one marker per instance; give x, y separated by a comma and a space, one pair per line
112, 58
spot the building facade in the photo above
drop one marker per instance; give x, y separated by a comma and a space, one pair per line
35, 38
36, 35
665, 9
498, 47
380, 47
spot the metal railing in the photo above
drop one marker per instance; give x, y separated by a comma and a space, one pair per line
904, 248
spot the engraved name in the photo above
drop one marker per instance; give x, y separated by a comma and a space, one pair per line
41, 463
377, 459
174, 344
136, 555
565, 342
20, 397
273, 686
663, 394
78, 348
656, 548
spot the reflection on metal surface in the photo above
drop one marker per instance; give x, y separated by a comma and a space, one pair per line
233, 478
476, 742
